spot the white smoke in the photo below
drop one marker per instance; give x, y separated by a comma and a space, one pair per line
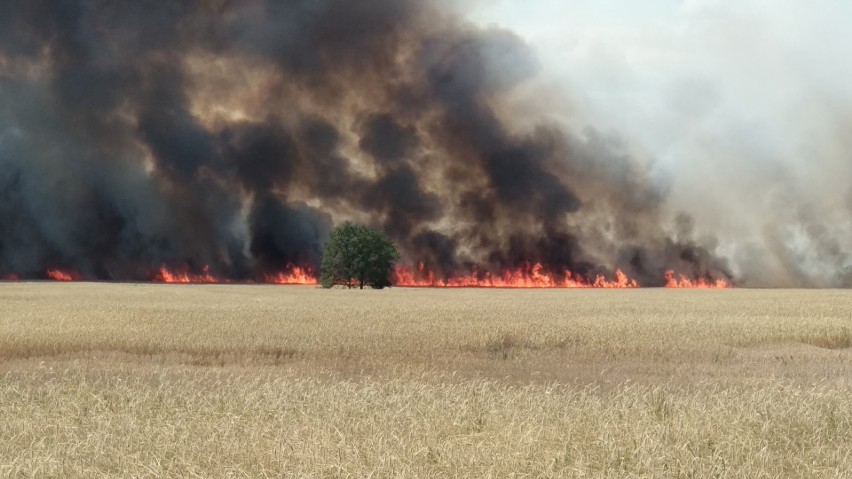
744, 107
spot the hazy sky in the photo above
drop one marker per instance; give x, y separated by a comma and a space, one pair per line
745, 107
750, 61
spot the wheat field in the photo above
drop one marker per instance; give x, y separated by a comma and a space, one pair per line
140, 380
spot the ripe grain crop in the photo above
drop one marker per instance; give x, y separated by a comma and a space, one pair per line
133, 380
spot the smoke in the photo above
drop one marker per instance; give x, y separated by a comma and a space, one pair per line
742, 106
234, 135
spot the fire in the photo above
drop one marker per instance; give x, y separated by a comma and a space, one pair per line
59, 275
529, 276
293, 275
165, 275
680, 281
621, 281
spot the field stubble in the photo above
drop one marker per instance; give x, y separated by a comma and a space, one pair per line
252, 381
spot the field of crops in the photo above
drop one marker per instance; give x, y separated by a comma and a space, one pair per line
263, 381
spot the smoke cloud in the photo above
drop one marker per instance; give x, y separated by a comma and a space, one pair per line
743, 108
235, 135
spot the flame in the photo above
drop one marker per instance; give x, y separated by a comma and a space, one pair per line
293, 275
59, 275
529, 276
681, 281
165, 275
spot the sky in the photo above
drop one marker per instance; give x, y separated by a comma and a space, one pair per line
744, 109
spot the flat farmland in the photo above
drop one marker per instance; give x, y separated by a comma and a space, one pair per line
144, 380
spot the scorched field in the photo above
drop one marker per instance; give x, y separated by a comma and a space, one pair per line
262, 381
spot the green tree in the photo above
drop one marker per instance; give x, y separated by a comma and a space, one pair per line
356, 255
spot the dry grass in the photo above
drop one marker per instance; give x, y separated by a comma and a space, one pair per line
264, 381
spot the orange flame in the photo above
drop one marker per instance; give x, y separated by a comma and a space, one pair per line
530, 276
293, 275
59, 275
683, 282
165, 275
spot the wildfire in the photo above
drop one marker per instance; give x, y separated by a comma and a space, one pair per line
59, 275
165, 275
530, 276
681, 281
293, 275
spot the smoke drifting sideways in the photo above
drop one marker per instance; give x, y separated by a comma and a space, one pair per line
235, 135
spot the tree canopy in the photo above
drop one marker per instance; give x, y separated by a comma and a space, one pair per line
356, 255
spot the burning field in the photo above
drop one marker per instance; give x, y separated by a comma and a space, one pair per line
206, 142
531, 276
214, 145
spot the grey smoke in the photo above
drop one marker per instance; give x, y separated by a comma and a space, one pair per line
234, 135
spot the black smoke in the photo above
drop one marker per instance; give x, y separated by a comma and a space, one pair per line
233, 135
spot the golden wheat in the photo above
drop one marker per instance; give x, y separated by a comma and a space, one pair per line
105, 380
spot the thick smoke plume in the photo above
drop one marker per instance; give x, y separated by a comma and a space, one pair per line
234, 135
